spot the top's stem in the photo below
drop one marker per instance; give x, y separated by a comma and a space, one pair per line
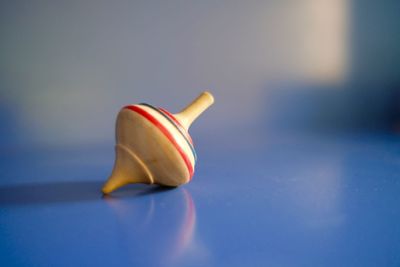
194, 109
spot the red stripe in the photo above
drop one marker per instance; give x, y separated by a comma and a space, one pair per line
166, 133
178, 123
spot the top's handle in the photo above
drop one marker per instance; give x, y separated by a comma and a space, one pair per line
194, 109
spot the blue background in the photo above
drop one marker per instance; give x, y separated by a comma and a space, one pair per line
299, 157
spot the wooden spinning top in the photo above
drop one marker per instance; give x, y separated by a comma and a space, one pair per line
154, 146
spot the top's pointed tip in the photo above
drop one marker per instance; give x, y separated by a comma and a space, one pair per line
111, 185
106, 191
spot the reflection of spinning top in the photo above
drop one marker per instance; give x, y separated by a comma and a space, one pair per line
154, 146
168, 248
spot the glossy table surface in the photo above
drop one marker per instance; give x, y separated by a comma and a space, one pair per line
255, 200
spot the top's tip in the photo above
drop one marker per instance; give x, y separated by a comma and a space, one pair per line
209, 96
194, 109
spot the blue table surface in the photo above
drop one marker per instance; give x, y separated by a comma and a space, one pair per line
262, 200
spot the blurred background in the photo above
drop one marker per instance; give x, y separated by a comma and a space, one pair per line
299, 157
307, 65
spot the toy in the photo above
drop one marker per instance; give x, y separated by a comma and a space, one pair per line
154, 146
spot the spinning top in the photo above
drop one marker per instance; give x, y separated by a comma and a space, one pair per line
154, 146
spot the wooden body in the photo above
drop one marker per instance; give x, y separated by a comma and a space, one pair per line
154, 146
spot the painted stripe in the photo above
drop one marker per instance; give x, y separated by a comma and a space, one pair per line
175, 133
165, 131
177, 125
